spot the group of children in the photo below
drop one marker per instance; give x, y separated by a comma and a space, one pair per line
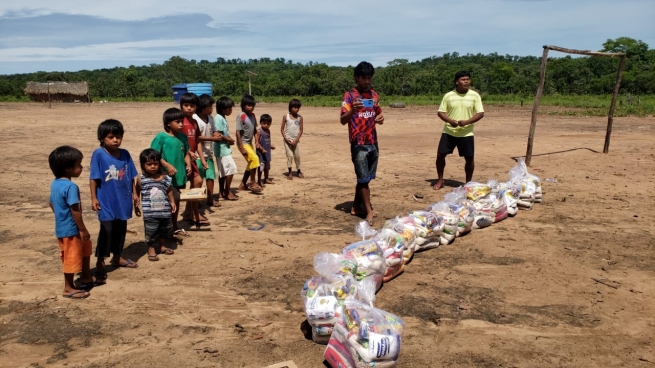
192, 147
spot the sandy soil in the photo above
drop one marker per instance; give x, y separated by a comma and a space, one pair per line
518, 294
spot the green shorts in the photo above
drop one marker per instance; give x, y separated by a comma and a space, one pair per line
210, 173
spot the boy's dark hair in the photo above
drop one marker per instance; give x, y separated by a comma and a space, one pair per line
170, 115
149, 154
222, 104
204, 100
107, 127
189, 98
63, 158
294, 103
364, 69
265, 118
461, 73
247, 99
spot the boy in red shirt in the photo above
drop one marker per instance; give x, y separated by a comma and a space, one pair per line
361, 110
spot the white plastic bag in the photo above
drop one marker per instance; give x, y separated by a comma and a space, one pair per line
392, 245
450, 220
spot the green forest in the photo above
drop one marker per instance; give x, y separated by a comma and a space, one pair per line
492, 74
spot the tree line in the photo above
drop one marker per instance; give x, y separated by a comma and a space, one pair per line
491, 74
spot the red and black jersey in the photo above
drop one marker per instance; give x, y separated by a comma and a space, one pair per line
361, 127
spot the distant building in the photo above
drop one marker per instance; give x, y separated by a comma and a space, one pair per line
59, 92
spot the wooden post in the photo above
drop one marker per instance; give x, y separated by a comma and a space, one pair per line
49, 103
535, 107
610, 116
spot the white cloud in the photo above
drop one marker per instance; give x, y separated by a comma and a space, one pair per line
338, 32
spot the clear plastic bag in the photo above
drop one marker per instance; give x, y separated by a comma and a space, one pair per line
365, 337
450, 220
407, 231
430, 227
475, 191
392, 245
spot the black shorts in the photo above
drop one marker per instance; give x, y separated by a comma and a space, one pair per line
111, 238
465, 145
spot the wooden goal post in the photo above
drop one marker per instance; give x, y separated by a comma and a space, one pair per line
540, 91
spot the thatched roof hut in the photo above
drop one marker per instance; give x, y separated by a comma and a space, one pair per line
59, 92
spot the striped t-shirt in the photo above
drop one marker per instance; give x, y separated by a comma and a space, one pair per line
154, 198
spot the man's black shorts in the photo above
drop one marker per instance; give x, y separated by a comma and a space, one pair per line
465, 145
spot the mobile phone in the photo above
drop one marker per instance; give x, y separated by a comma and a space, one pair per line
368, 102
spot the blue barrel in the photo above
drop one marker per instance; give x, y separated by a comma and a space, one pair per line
199, 88
178, 91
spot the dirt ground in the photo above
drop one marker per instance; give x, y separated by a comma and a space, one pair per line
519, 294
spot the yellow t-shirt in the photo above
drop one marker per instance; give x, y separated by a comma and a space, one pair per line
460, 107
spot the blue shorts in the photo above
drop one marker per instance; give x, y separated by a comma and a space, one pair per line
365, 159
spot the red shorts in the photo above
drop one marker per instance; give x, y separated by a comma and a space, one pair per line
72, 250
194, 172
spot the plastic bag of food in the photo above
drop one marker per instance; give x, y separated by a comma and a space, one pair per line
323, 298
365, 337
407, 230
512, 195
430, 227
484, 215
450, 220
475, 191
361, 259
392, 245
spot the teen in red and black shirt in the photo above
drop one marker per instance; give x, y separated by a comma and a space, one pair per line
362, 117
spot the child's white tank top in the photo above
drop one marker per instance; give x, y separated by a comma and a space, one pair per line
292, 127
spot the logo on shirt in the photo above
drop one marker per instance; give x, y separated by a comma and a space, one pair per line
114, 174
367, 114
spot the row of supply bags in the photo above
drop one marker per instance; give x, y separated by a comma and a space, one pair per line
339, 301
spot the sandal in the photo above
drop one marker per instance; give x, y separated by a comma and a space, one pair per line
167, 251
180, 232
254, 188
154, 258
72, 295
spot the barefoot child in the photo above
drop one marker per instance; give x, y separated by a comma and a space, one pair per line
112, 182
227, 168
73, 238
188, 104
157, 202
291, 132
206, 126
264, 147
173, 146
246, 128
360, 110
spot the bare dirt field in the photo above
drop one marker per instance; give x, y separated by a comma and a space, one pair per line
518, 294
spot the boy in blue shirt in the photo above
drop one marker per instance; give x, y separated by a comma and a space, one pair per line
112, 182
72, 236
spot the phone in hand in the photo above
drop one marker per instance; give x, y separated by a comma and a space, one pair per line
369, 102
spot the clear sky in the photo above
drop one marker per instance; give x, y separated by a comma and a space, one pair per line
68, 35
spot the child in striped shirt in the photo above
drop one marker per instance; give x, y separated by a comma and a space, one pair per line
157, 202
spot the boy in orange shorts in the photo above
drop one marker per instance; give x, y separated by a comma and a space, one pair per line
74, 240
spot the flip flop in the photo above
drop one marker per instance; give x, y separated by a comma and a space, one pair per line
72, 295
180, 232
154, 258
167, 251
128, 264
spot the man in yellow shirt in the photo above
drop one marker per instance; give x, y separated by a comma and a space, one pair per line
459, 109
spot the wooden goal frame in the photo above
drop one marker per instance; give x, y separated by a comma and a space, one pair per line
540, 91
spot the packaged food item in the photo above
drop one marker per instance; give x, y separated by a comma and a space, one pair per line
392, 245
450, 220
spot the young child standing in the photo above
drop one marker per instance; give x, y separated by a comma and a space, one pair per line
246, 128
157, 202
206, 126
227, 168
188, 104
73, 238
173, 146
291, 132
264, 147
112, 183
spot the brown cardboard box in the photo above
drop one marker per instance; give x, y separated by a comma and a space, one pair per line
195, 194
